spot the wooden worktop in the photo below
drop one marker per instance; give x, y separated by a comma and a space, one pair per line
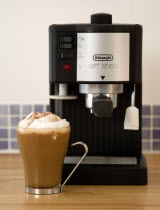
12, 194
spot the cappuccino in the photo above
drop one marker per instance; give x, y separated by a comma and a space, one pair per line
43, 140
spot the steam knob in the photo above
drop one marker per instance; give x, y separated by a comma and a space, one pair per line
101, 18
102, 106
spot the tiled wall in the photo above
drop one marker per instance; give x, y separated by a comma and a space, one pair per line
151, 128
10, 115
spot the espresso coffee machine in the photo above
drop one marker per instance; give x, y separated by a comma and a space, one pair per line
96, 84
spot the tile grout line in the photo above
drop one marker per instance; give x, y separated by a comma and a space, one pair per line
44, 108
8, 127
151, 130
9, 151
32, 108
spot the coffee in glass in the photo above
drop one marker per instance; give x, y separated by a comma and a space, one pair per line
43, 140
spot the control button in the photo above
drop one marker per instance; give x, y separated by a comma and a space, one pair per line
67, 67
66, 39
67, 55
66, 46
72, 55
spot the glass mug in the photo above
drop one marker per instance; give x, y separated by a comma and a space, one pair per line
43, 152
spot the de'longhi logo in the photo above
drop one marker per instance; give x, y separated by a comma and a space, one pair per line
103, 57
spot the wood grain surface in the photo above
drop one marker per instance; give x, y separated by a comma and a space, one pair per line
12, 194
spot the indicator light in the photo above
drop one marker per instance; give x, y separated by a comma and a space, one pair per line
71, 55
67, 67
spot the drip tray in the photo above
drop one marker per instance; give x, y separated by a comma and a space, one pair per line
101, 160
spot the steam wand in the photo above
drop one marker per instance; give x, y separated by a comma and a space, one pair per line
131, 121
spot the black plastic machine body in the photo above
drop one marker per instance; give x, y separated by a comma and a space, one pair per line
94, 70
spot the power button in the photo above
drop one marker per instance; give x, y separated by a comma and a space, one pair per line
67, 67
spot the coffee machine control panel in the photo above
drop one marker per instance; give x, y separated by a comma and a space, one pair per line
103, 56
90, 53
66, 47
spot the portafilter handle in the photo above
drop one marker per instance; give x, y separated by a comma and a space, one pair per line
102, 106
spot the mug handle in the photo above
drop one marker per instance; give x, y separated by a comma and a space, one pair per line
86, 151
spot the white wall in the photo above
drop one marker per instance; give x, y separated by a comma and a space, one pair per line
24, 42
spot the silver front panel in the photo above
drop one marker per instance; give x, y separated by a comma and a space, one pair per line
101, 160
103, 56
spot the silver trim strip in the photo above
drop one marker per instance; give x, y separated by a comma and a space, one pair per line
101, 160
60, 97
101, 88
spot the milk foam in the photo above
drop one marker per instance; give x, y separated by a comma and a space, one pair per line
43, 120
